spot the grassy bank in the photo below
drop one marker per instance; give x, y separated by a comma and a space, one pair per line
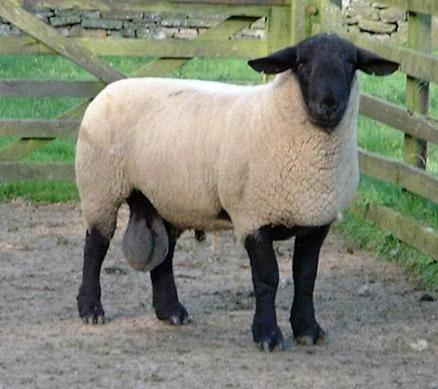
372, 136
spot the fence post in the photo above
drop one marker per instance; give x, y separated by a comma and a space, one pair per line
330, 16
278, 29
277, 33
417, 91
302, 12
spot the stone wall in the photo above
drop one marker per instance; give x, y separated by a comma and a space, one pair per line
376, 19
73, 22
379, 21
364, 16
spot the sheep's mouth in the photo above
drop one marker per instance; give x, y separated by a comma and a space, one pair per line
326, 124
328, 121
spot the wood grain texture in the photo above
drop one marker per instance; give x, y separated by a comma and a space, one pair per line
169, 48
412, 62
50, 88
404, 228
28, 128
417, 90
36, 171
399, 117
413, 179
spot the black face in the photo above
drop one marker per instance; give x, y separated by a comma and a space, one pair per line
325, 72
324, 66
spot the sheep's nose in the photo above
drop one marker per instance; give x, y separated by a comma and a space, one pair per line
330, 102
327, 106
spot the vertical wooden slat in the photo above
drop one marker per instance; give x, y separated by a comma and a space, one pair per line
298, 20
302, 12
330, 15
278, 33
417, 91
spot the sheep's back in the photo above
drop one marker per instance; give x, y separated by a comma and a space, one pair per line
169, 135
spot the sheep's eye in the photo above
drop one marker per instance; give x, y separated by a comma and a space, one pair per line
300, 66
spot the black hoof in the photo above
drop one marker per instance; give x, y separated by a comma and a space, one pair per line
315, 336
268, 340
94, 318
176, 317
90, 310
93, 314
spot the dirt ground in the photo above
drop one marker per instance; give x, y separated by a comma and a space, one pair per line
380, 334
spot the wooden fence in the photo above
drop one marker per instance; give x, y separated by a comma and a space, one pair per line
287, 21
420, 68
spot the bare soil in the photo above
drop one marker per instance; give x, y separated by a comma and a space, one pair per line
380, 334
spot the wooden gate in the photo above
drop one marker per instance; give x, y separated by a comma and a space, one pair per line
170, 54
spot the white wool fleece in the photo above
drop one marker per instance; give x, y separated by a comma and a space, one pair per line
195, 148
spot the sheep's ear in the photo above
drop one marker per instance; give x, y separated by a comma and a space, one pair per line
373, 64
275, 63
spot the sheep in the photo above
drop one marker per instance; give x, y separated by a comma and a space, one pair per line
271, 162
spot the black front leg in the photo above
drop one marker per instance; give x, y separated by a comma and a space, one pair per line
305, 266
265, 277
164, 294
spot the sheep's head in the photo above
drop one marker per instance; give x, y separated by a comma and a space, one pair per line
324, 66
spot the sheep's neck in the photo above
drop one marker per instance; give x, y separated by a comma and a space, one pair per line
313, 174
290, 126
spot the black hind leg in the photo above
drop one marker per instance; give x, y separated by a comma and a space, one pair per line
165, 296
89, 305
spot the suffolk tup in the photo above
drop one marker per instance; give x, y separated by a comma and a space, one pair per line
270, 162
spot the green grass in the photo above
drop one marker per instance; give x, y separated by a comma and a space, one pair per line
39, 191
372, 136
